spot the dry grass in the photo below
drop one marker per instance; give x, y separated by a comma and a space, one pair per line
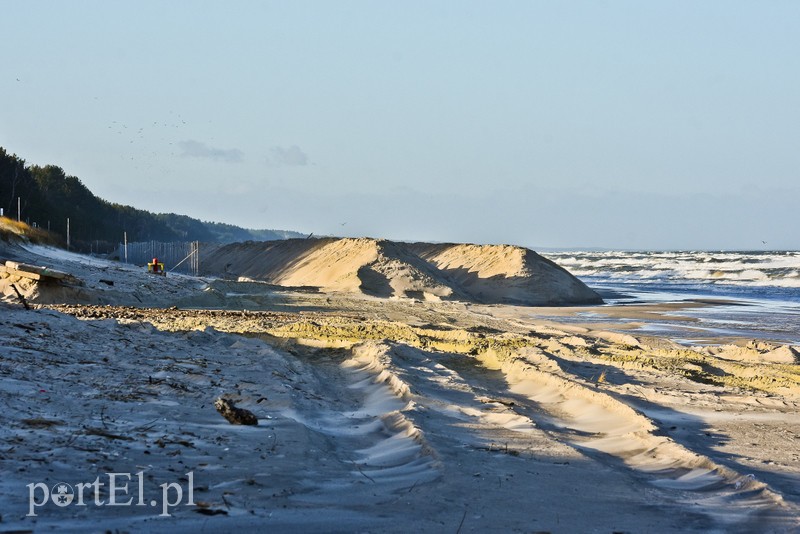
10, 229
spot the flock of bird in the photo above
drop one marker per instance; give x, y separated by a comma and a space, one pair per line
157, 138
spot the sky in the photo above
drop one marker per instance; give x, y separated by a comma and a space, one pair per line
613, 124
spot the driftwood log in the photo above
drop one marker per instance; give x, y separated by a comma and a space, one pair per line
20, 297
234, 415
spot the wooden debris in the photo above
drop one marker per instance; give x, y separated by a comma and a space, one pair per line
39, 274
211, 511
234, 415
33, 272
103, 434
21, 298
38, 422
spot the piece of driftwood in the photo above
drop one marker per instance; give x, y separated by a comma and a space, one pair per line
21, 298
34, 272
235, 415
103, 434
40, 274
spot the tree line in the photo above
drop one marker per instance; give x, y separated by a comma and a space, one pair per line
46, 197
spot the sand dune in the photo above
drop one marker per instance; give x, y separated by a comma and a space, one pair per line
489, 274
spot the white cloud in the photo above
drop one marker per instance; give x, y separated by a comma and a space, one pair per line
196, 149
292, 156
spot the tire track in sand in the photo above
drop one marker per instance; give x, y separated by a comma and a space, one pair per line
535, 396
605, 427
363, 420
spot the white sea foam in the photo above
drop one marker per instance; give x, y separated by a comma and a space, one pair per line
759, 269
763, 284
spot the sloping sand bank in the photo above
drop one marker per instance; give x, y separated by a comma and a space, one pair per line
476, 273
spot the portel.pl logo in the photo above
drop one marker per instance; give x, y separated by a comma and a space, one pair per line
122, 490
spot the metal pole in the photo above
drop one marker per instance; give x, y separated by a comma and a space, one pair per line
192, 253
19, 210
67, 233
126, 246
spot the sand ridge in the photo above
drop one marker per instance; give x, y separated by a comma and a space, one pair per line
382, 268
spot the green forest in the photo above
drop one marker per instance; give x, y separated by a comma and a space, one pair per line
46, 197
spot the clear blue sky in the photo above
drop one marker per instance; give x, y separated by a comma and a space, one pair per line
630, 124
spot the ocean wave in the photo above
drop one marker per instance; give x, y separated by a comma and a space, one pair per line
758, 269
783, 282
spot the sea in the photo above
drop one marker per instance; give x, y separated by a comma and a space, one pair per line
753, 294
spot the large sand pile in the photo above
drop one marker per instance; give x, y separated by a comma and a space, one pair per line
489, 274
505, 274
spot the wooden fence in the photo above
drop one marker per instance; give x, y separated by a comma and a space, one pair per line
182, 257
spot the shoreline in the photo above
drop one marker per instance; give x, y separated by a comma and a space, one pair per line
689, 322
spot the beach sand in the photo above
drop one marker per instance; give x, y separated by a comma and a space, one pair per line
381, 415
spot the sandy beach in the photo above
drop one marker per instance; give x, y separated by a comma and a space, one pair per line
379, 413
377, 267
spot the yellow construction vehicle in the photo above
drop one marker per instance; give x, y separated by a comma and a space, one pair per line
156, 267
